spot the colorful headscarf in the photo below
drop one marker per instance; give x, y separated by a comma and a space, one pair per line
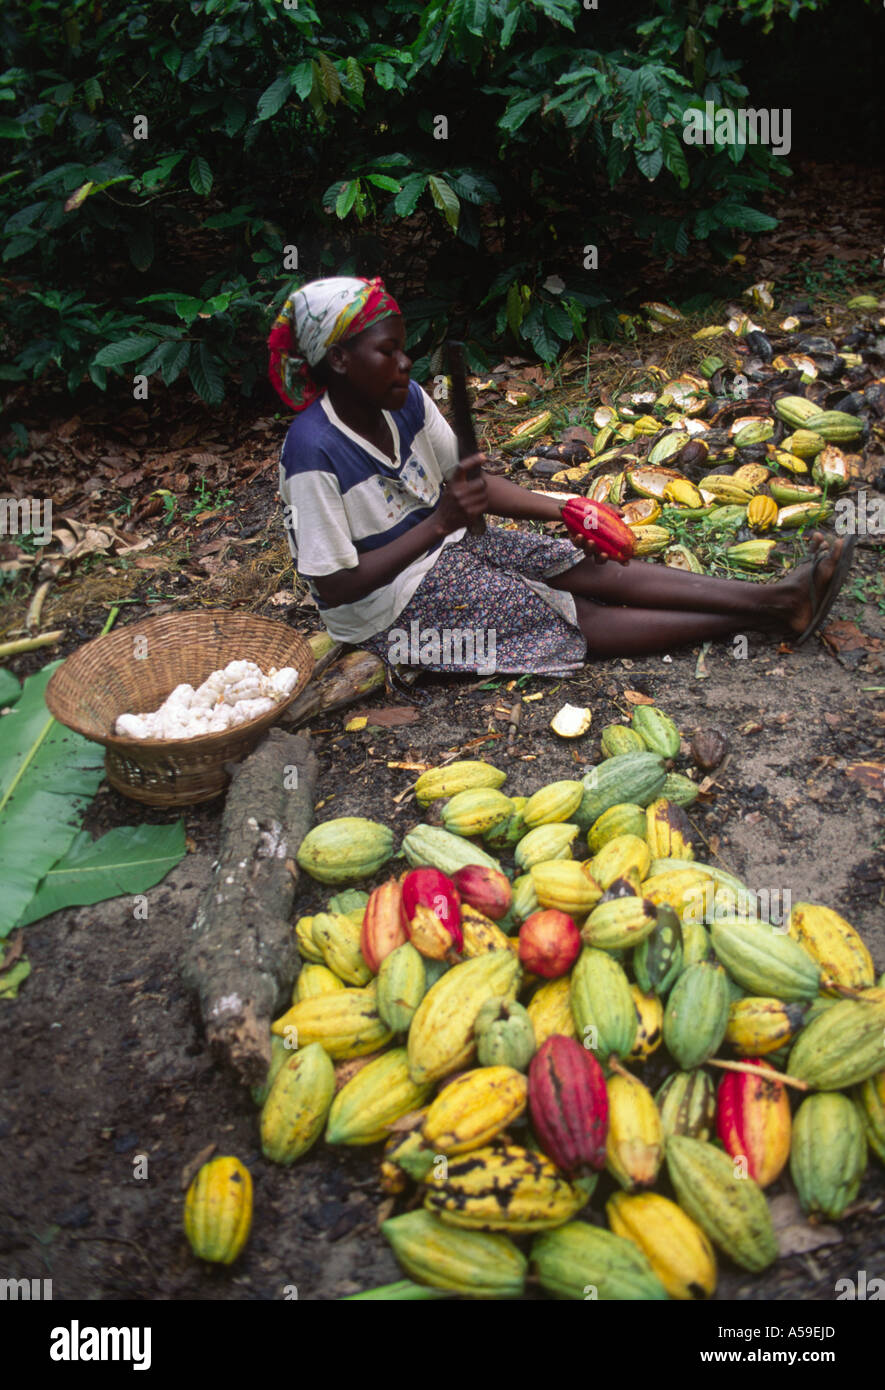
318, 314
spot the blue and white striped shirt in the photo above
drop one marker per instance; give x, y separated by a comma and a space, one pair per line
343, 497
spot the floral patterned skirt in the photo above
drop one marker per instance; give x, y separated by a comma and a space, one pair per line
484, 607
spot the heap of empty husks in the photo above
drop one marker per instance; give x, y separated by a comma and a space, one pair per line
227, 698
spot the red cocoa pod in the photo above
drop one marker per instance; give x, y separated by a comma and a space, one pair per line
485, 889
432, 889
753, 1121
382, 929
568, 1101
600, 523
549, 943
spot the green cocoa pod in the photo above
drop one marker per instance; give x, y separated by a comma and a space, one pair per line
828, 1154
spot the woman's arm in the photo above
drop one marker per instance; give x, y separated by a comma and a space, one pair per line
461, 500
518, 503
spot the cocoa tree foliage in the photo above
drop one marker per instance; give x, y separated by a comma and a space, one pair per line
171, 169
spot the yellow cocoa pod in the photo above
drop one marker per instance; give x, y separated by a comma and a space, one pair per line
676, 1248
649, 1034
538, 1196
315, 980
552, 804
618, 857
346, 1023
681, 889
447, 781
380, 1093
566, 885
481, 934
834, 944
441, 1036
635, 1143
474, 1108
476, 811
757, 1025
550, 1010
761, 513
307, 947
218, 1210
293, 1115
545, 843
338, 938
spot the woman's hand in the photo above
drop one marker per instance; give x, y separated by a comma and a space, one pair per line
585, 542
463, 498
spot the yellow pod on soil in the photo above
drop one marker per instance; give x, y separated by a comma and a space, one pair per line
218, 1210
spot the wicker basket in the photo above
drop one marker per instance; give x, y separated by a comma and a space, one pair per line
118, 673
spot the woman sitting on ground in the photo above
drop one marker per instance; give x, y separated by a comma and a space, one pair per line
378, 508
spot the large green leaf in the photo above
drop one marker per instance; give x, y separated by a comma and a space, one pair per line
126, 860
48, 776
9, 689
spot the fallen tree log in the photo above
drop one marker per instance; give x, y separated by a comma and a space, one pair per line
241, 957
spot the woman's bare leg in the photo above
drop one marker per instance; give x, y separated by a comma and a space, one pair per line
612, 631
642, 586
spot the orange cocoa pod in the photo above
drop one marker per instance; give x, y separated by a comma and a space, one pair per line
753, 1121
382, 929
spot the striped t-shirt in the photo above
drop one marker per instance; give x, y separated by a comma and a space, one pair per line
343, 497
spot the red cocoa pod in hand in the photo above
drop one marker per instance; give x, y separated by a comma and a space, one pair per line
568, 1101
600, 523
549, 943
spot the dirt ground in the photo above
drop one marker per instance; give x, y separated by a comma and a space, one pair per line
109, 1094
104, 1061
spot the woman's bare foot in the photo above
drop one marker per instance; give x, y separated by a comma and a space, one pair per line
799, 610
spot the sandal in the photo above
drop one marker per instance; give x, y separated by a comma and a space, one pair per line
839, 575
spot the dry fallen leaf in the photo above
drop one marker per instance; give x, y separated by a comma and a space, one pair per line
795, 1235
636, 697
844, 636
390, 717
